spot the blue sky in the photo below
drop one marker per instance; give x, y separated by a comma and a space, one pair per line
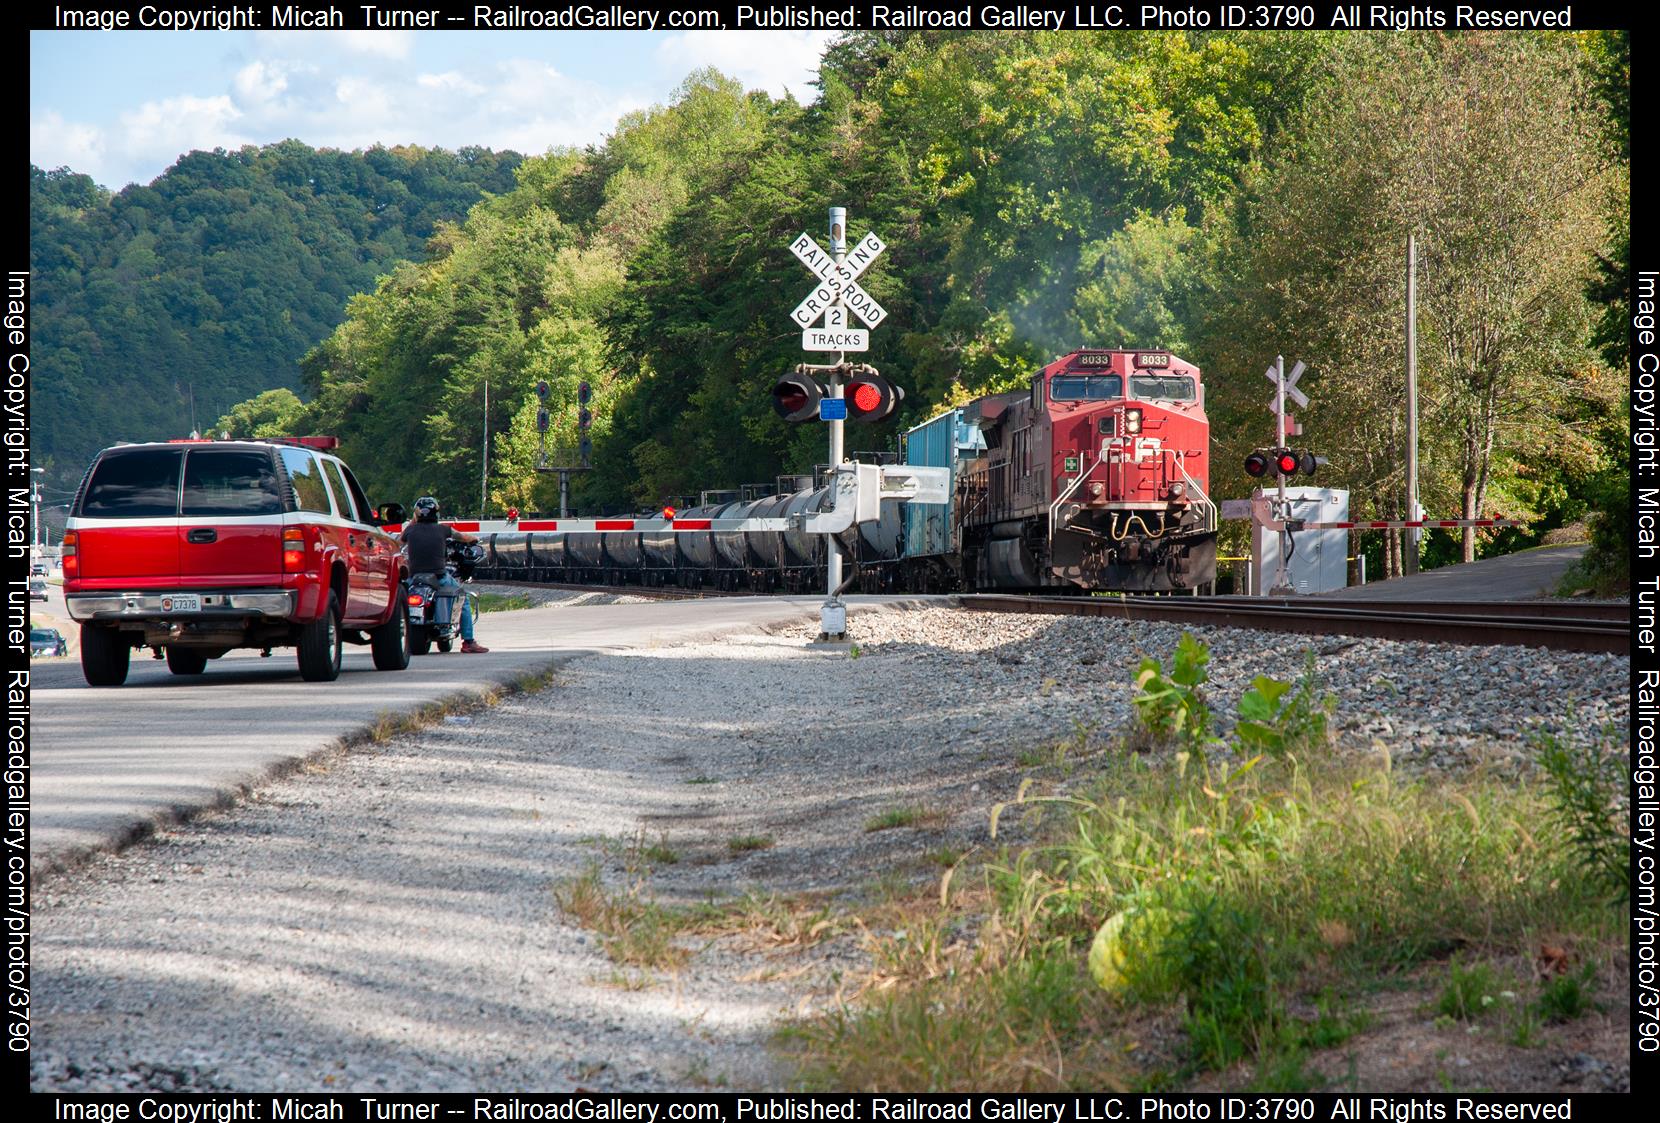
122, 106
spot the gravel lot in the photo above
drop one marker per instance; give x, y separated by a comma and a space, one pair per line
386, 919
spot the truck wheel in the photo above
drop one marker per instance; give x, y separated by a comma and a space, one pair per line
420, 639
186, 661
103, 656
391, 642
319, 648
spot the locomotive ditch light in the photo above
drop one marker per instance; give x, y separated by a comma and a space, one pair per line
1256, 463
870, 397
796, 397
1132, 421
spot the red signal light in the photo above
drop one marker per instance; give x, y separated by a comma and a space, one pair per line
1256, 464
1285, 462
870, 397
865, 397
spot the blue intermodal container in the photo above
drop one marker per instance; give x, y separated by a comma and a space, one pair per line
940, 442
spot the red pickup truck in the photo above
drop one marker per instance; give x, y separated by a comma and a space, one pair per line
197, 547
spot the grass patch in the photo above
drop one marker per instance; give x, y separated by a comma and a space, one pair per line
503, 602
896, 817
634, 931
747, 843
1232, 896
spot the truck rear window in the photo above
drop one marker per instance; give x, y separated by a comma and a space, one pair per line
230, 482
140, 483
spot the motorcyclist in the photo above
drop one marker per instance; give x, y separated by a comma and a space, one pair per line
425, 537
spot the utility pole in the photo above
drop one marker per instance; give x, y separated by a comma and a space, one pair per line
35, 525
484, 472
1410, 562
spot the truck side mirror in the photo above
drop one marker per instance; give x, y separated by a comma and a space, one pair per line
388, 513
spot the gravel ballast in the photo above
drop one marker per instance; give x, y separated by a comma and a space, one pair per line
386, 920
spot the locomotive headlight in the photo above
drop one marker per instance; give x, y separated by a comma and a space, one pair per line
1177, 490
1132, 421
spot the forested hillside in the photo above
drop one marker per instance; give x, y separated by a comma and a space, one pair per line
1229, 197
213, 280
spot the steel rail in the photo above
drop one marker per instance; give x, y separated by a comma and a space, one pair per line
1472, 624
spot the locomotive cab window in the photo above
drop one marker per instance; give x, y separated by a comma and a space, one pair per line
1162, 387
1086, 388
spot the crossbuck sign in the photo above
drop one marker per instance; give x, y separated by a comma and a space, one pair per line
837, 293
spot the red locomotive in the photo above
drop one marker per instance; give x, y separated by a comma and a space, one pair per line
1097, 476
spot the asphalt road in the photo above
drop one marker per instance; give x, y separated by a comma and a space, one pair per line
106, 761
1519, 576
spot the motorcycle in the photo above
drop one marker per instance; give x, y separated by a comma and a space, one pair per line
434, 617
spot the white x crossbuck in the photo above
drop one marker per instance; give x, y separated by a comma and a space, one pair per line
838, 282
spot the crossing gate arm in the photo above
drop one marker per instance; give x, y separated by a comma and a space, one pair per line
1389, 524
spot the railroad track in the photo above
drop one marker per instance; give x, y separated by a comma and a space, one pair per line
1561, 627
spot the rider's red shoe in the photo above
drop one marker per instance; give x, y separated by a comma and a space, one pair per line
470, 648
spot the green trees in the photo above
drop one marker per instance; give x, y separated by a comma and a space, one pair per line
1225, 196
208, 284
1479, 145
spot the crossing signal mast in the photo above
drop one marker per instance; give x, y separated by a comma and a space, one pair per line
585, 447
840, 391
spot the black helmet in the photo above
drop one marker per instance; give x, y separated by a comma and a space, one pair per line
426, 509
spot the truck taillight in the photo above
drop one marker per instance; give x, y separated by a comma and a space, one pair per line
293, 549
71, 554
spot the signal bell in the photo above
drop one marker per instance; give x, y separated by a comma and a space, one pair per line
870, 397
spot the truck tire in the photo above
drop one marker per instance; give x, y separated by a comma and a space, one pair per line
319, 647
391, 642
186, 660
104, 656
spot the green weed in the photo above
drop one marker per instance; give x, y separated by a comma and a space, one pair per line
1589, 784
746, 843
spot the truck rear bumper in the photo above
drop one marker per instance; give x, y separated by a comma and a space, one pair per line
159, 606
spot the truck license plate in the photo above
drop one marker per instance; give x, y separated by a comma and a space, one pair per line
181, 604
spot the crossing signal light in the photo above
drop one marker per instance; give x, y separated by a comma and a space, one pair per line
1282, 461
796, 397
870, 397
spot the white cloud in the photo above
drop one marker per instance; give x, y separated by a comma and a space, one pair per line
775, 61
178, 124
450, 81
260, 81
385, 44
56, 143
